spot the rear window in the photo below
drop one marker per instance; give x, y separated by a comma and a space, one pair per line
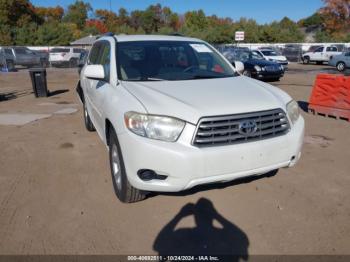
59, 50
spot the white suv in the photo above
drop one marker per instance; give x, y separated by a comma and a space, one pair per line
65, 56
175, 113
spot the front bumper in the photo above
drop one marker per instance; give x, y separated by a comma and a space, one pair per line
267, 75
187, 166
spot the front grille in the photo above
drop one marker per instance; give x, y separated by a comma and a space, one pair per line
226, 130
272, 68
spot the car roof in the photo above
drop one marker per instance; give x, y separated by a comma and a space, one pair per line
128, 38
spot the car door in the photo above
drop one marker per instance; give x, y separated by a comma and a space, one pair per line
330, 50
347, 59
21, 57
97, 88
318, 54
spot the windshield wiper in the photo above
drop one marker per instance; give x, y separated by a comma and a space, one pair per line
208, 76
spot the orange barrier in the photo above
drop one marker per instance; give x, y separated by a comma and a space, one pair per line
331, 96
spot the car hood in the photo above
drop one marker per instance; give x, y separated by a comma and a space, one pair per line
192, 99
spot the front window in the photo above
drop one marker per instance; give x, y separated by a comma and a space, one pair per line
269, 52
169, 60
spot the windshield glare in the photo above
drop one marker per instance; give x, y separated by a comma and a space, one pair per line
169, 60
269, 53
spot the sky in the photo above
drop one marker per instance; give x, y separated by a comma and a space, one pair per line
263, 11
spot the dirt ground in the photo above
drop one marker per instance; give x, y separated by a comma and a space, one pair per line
56, 194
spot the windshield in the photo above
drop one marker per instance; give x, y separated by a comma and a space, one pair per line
244, 55
169, 60
269, 53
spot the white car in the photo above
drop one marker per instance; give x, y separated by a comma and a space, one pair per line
175, 113
65, 56
273, 56
321, 54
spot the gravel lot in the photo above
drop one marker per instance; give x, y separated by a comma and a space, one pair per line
56, 194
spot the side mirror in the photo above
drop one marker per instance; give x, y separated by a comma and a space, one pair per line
94, 72
239, 66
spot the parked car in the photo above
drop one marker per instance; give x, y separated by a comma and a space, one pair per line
7, 59
65, 56
273, 56
255, 65
341, 62
175, 113
25, 57
320, 55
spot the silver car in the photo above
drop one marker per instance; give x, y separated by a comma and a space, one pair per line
341, 62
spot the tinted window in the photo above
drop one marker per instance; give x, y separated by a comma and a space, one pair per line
105, 58
332, 49
93, 56
347, 54
169, 60
77, 50
8, 51
20, 51
59, 50
318, 50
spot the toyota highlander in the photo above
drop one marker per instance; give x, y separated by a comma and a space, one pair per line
174, 113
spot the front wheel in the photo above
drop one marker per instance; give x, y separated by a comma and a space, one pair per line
88, 124
123, 189
247, 73
341, 66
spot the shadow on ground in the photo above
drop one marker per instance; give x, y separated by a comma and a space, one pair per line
205, 238
14, 94
212, 186
304, 106
57, 92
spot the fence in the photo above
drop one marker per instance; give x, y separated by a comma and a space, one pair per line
293, 51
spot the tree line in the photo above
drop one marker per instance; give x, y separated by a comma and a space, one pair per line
22, 23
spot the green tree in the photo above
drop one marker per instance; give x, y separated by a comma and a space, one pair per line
55, 34
5, 32
26, 35
77, 13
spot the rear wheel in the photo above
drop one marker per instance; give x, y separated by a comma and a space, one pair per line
88, 124
341, 66
73, 63
10, 65
123, 189
306, 60
43, 63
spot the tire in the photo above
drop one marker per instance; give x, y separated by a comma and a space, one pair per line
247, 73
10, 65
73, 62
341, 66
88, 124
306, 60
125, 192
43, 63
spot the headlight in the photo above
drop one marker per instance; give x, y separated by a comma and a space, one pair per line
293, 111
257, 68
155, 127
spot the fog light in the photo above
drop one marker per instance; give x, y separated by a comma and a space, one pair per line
147, 175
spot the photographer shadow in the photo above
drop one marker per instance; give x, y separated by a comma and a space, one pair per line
205, 238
